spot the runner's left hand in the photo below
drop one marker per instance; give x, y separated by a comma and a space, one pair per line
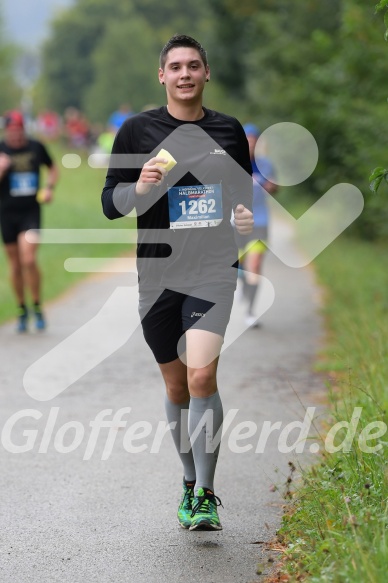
46, 195
243, 219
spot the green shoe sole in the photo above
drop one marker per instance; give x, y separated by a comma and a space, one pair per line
205, 525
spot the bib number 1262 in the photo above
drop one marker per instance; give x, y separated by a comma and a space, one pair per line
200, 206
192, 207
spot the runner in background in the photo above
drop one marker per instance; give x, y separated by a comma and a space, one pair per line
76, 129
118, 117
21, 159
48, 125
253, 246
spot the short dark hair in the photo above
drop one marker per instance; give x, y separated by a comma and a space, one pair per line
181, 40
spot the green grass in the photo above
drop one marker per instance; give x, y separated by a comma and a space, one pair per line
77, 205
337, 526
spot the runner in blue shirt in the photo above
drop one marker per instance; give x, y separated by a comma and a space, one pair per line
253, 246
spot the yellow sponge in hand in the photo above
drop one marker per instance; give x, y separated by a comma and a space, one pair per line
41, 196
171, 161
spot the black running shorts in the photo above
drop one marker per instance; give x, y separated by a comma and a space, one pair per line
165, 316
13, 223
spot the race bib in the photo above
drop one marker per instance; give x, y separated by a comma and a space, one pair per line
23, 183
192, 207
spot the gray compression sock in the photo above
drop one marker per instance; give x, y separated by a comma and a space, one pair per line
180, 435
205, 420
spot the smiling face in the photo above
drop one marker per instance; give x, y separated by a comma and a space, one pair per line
184, 75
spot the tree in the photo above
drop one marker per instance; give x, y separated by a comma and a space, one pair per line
10, 93
84, 51
321, 65
66, 61
125, 69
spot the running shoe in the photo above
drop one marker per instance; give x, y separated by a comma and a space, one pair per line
22, 323
186, 505
204, 515
40, 323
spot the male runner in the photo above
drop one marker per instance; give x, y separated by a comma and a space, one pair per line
20, 161
186, 252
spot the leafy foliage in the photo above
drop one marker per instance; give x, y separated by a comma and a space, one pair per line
383, 5
10, 91
378, 175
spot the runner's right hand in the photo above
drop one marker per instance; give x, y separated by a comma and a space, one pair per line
151, 175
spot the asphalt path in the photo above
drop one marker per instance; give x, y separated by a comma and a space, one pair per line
84, 502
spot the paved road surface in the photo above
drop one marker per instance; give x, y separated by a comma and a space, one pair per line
68, 519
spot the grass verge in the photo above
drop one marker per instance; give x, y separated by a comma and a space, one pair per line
77, 205
336, 529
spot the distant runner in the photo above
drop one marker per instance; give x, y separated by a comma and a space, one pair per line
20, 161
253, 246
